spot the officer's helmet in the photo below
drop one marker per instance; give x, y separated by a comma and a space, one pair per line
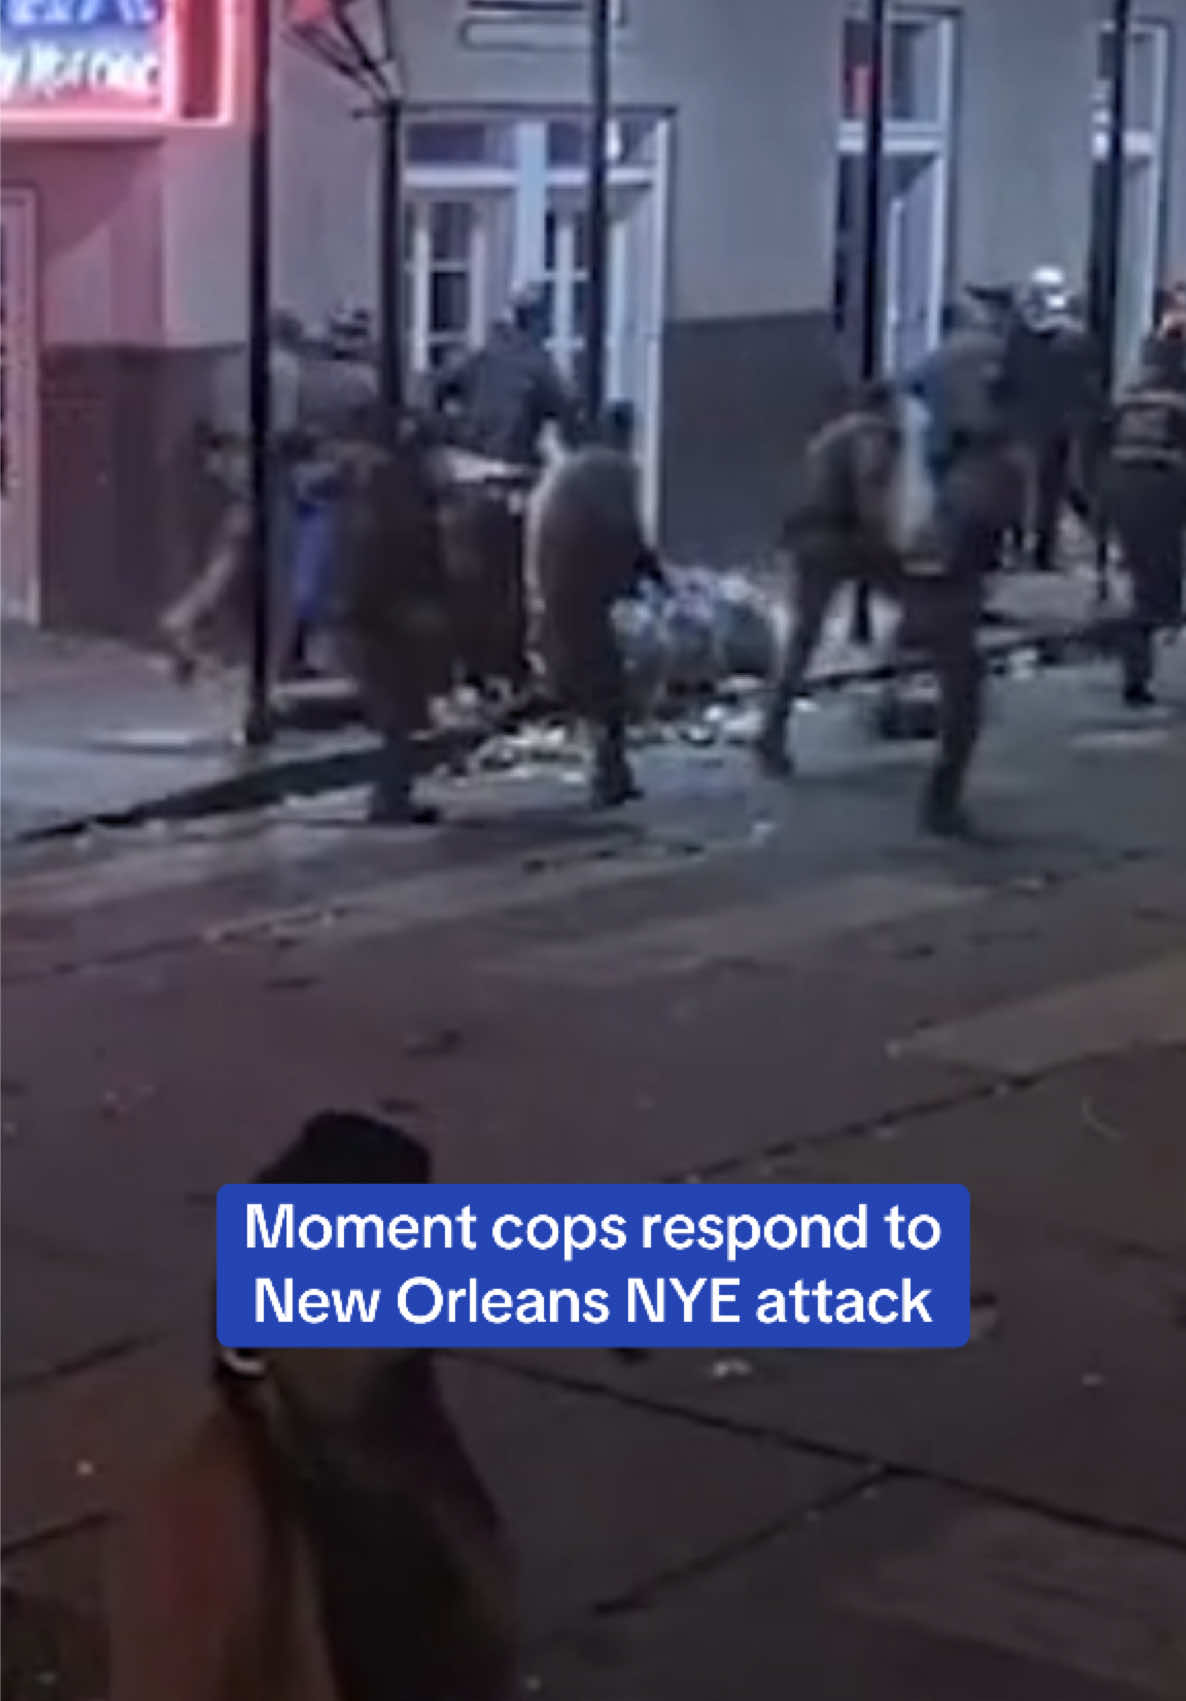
1046, 298
529, 310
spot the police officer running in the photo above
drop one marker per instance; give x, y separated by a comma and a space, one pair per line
586, 549
836, 531
1145, 495
966, 387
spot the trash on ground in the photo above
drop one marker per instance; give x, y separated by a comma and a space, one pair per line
730, 1370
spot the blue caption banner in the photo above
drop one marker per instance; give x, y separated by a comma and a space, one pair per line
594, 1266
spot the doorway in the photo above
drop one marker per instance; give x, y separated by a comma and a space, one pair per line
20, 579
914, 255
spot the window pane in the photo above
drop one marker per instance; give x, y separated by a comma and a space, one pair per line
450, 230
566, 142
441, 350
580, 242
449, 302
912, 68
855, 68
550, 242
443, 143
1142, 92
580, 306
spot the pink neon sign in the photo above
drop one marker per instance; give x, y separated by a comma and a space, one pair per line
89, 58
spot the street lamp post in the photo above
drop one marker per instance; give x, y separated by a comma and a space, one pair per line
354, 39
258, 726
862, 621
1109, 282
595, 322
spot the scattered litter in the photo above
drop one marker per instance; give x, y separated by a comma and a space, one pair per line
761, 831
1091, 1379
533, 1684
730, 1370
84, 1468
1031, 883
1095, 1123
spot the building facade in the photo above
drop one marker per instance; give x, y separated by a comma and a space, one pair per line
735, 162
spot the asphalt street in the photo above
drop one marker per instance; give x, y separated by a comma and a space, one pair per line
731, 980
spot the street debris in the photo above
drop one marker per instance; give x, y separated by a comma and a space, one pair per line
1091, 1379
730, 1370
1095, 1123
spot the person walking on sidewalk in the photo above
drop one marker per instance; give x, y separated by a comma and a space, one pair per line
324, 1535
391, 614
1145, 495
183, 623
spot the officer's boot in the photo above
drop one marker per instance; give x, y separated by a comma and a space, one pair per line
391, 802
613, 781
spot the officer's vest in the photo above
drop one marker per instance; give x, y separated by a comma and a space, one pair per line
1149, 430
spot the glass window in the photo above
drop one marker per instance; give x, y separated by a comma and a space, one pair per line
628, 141
566, 142
450, 232
433, 143
913, 68
1142, 92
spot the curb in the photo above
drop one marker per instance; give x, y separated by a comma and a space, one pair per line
262, 781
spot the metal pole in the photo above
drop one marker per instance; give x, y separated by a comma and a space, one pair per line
862, 621
1113, 241
595, 322
391, 259
258, 726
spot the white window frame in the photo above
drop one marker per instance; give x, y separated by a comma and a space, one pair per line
421, 268
933, 139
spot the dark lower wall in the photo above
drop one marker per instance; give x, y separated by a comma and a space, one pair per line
740, 398
126, 506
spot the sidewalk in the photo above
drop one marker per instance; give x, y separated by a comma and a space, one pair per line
93, 729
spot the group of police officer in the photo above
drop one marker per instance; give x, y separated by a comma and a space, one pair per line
1017, 425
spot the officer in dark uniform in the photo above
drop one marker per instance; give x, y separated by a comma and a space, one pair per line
966, 386
1055, 372
502, 397
509, 390
1146, 500
837, 530
392, 615
587, 548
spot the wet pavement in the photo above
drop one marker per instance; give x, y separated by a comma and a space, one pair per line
731, 979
